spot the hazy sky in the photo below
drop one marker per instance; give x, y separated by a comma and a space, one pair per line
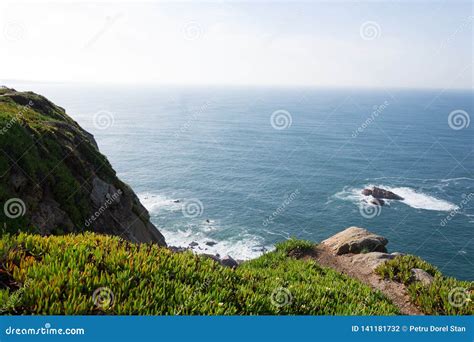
373, 44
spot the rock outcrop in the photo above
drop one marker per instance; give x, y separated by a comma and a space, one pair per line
417, 274
379, 202
229, 262
357, 253
372, 259
355, 240
380, 193
54, 180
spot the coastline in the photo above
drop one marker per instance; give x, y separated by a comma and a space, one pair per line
48, 233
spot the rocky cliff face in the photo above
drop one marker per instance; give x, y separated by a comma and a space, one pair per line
54, 180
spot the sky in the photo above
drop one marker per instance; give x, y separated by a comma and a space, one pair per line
408, 44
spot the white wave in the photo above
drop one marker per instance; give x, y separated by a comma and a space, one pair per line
423, 179
154, 203
210, 226
242, 247
412, 198
457, 179
419, 200
350, 194
285, 235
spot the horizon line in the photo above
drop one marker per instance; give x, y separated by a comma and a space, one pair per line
5, 82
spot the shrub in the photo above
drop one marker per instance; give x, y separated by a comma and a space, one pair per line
294, 247
444, 296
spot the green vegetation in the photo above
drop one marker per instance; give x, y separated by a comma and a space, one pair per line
59, 274
45, 154
445, 296
295, 248
46, 149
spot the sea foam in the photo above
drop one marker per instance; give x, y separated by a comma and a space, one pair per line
154, 203
411, 197
420, 200
243, 246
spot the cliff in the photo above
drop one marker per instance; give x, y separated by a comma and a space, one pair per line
54, 180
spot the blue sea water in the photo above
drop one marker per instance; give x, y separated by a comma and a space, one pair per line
266, 164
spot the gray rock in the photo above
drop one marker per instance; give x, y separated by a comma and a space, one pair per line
213, 257
49, 212
102, 191
417, 274
355, 240
193, 244
379, 202
381, 193
176, 249
211, 243
229, 262
372, 259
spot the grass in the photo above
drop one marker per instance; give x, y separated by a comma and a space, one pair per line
59, 274
445, 295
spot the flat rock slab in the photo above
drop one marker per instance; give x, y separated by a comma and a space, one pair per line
371, 260
355, 240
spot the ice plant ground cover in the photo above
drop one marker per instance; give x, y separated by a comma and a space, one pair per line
63, 275
96, 274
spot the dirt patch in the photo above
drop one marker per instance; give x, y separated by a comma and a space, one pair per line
359, 270
302, 253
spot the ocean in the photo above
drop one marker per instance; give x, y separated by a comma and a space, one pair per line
242, 168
